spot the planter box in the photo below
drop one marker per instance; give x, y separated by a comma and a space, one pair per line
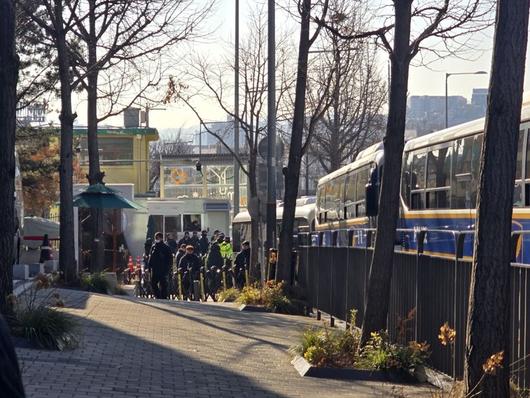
305, 369
252, 308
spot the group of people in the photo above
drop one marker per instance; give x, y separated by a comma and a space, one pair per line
189, 254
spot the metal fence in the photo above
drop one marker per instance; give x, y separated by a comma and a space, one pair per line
426, 292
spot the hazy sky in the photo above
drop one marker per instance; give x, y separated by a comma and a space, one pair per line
218, 43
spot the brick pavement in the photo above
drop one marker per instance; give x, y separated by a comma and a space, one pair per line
144, 348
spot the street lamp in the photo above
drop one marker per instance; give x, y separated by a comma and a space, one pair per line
480, 72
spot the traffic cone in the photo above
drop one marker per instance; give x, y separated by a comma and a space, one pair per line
138, 262
131, 265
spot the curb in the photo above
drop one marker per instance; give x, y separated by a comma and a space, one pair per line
252, 308
305, 369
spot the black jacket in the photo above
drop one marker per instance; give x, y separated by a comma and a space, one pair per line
160, 258
243, 258
172, 243
180, 254
194, 241
214, 257
190, 260
204, 245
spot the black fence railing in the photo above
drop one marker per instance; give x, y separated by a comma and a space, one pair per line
426, 292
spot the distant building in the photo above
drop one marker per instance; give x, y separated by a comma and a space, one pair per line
426, 113
31, 114
123, 153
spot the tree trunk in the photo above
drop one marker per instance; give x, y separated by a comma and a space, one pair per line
253, 210
378, 294
66, 216
8, 97
489, 303
94, 172
292, 171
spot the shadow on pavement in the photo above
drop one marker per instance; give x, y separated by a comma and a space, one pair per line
112, 363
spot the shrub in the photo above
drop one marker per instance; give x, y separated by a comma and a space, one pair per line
46, 328
96, 283
341, 348
229, 295
275, 300
380, 353
325, 347
250, 295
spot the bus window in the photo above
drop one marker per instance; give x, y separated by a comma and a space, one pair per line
405, 179
475, 169
518, 190
331, 196
321, 202
363, 177
349, 195
438, 178
462, 177
417, 181
339, 199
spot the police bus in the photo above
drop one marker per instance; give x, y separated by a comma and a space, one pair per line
439, 182
304, 218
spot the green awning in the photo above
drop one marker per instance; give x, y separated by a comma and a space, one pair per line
99, 196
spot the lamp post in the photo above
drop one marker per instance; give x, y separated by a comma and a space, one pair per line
236, 121
480, 72
271, 129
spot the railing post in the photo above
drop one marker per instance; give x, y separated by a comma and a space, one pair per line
420, 238
459, 253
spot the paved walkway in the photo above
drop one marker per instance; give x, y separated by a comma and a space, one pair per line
132, 348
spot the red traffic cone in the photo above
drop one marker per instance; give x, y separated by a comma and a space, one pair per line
131, 265
139, 262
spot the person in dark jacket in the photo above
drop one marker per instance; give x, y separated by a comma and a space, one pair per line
194, 241
204, 244
185, 239
180, 253
243, 257
160, 261
172, 243
214, 257
242, 263
190, 261
191, 264
10, 378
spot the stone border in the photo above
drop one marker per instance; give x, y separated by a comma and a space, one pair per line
305, 369
252, 308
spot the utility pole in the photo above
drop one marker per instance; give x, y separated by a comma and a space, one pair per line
271, 130
235, 233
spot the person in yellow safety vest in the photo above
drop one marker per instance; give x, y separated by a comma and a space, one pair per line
226, 249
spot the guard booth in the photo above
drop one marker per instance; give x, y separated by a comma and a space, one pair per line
175, 216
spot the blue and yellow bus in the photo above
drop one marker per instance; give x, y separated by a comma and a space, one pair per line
439, 182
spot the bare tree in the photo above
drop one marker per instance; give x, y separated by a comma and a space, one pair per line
415, 27
213, 83
488, 330
358, 93
116, 39
300, 124
8, 100
50, 19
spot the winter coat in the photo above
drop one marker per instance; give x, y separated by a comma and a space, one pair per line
160, 258
214, 257
204, 245
243, 258
190, 260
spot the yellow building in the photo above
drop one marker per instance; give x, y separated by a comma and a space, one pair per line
123, 154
